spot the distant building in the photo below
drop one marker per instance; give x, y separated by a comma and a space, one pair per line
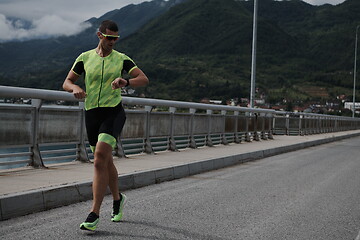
259, 101
244, 100
299, 109
215, 101
209, 101
349, 105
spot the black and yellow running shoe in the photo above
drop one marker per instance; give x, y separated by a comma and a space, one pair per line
118, 207
90, 223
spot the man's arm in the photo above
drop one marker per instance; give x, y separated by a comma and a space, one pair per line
70, 86
138, 79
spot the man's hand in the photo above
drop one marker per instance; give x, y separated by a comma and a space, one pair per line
78, 92
118, 83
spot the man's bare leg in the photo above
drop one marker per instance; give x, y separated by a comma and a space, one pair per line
113, 180
102, 158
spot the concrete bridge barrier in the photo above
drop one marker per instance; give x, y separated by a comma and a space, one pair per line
51, 132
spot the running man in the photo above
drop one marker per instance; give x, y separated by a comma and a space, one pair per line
104, 115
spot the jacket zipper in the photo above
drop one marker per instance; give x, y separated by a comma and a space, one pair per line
102, 79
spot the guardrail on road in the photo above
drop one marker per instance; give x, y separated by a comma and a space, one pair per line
42, 132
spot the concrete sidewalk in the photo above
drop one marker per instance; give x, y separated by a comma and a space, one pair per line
28, 190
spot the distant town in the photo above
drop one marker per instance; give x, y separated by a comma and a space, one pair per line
341, 106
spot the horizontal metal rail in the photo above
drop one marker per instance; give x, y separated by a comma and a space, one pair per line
22, 154
52, 95
16, 162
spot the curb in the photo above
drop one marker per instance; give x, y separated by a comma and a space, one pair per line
20, 204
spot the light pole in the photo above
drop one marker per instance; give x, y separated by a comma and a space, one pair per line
253, 62
356, 40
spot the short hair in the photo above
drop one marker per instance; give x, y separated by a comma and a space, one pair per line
108, 24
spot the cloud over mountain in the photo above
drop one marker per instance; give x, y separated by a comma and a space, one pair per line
46, 26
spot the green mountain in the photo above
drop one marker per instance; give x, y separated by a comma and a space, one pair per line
42, 63
202, 49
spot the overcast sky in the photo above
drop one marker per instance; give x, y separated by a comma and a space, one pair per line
63, 17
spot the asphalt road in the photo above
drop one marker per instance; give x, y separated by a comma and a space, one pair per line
308, 194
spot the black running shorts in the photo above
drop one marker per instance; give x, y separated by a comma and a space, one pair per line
104, 124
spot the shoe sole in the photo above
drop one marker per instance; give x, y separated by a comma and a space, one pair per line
89, 228
82, 227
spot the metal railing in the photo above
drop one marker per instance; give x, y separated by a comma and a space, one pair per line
43, 132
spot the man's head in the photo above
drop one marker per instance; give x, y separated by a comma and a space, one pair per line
108, 34
108, 24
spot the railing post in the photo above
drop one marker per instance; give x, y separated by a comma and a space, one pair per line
119, 149
237, 139
327, 125
331, 124
81, 147
36, 159
223, 137
313, 125
263, 132
192, 142
273, 123
172, 143
335, 125
301, 121
248, 134
208, 137
270, 130
148, 147
256, 134
308, 126
287, 125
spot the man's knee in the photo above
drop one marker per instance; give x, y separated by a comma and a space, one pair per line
107, 138
102, 155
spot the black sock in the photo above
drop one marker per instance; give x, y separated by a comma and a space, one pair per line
92, 217
116, 205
